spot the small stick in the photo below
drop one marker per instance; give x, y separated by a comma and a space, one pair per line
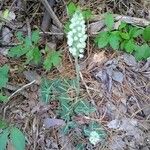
51, 13
20, 89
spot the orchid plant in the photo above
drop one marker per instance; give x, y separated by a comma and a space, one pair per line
77, 40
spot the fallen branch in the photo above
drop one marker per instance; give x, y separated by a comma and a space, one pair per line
51, 13
97, 22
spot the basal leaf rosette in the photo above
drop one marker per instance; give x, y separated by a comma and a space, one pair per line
77, 35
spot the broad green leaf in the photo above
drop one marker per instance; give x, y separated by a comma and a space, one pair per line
36, 55
138, 33
4, 75
84, 107
146, 33
142, 52
17, 138
17, 51
35, 37
5, 14
87, 14
4, 139
109, 20
129, 46
52, 59
125, 35
114, 41
3, 98
71, 8
102, 39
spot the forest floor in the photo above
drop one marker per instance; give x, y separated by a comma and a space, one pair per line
113, 82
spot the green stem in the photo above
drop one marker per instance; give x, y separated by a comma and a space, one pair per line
77, 75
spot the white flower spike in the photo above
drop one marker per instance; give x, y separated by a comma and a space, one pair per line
77, 35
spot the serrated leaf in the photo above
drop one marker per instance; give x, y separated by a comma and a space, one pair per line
84, 108
36, 55
17, 138
109, 20
52, 59
129, 46
35, 37
87, 14
114, 41
122, 25
71, 8
102, 39
4, 75
3, 98
146, 33
4, 139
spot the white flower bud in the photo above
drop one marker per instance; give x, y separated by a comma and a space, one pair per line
77, 36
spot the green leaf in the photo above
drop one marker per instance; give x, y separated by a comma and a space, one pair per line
66, 26
36, 55
69, 125
71, 8
109, 20
46, 90
84, 107
4, 139
29, 56
18, 139
80, 146
3, 98
4, 75
146, 33
35, 37
3, 124
17, 51
87, 14
114, 41
142, 52
129, 46
28, 42
125, 35
102, 39
138, 33
52, 59
65, 110
122, 25
19, 36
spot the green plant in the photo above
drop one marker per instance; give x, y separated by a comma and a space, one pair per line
3, 81
128, 38
12, 135
30, 48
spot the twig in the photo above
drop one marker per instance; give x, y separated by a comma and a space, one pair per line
51, 13
20, 89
